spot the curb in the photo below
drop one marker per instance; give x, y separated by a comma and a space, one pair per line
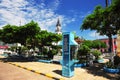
37, 72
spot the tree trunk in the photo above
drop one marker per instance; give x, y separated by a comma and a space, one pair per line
110, 49
106, 1
110, 43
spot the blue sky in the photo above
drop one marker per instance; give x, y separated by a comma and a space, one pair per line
46, 12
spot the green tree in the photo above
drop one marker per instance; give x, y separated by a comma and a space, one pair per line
30, 30
8, 33
15, 34
94, 44
102, 21
1, 31
83, 51
46, 38
98, 44
114, 13
87, 43
96, 53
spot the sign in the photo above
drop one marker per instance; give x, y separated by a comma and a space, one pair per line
67, 62
65, 70
66, 44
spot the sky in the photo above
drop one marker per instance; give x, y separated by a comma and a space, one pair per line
71, 14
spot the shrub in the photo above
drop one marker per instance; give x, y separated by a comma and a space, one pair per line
44, 51
83, 49
82, 53
51, 53
96, 53
12, 48
110, 65
116, 60
23, 49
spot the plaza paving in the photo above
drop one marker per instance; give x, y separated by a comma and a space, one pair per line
89, 73
11, 72
94, 72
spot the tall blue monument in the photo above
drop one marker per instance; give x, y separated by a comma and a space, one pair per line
67, 54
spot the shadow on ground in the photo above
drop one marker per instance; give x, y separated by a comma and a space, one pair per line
18, 59
97, 70
58, 72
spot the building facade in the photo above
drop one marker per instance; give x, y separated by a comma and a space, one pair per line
106, 41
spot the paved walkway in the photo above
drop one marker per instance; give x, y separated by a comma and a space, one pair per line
93, 73
54, 70
11, 72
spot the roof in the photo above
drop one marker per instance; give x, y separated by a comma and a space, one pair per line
58, 23
106, 38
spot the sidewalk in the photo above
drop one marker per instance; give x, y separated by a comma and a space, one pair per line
54, 70
11, 72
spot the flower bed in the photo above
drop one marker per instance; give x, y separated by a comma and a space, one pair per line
111, 70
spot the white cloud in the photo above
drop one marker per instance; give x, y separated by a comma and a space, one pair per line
55, 4
16, 12
96, 35
10, 11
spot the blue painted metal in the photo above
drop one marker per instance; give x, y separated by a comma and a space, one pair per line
110, 70
72, 41
67, 61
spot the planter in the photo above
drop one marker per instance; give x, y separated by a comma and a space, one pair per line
111, 70
74, 61
80, 65
45, 61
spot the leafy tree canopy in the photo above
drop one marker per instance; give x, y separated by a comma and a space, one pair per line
19, 34
87, 43
105, 21
7, 33
94, 44
98, 44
